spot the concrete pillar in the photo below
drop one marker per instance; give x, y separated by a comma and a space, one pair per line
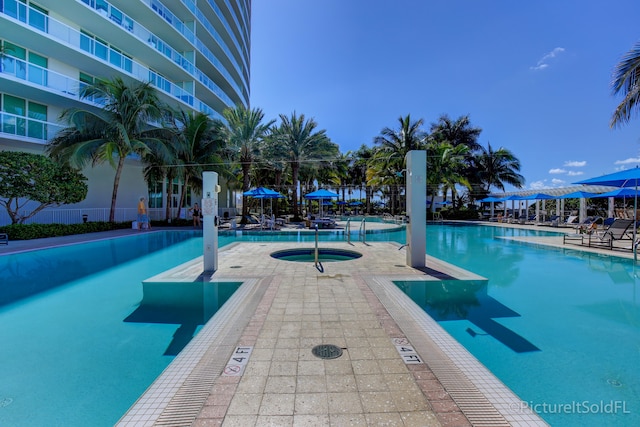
210, 190
611, 211
583, 209
416, 180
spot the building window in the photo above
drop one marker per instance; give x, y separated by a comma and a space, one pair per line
37, 128
14, 123
155, 194
38, 69
38, 18
23, 121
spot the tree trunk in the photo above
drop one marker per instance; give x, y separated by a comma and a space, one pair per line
116, 183
182, 197
278, 182
167, 215
245, 187
294, 175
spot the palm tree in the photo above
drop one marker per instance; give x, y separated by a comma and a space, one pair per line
446, 167
626, 80
362, 158
199, 146
456, 132
495, 168
119, 129
245, 132
389, 159
301, 140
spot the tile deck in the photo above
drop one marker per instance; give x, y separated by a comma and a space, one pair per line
398, 367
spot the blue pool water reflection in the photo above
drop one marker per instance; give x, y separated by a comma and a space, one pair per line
77, 346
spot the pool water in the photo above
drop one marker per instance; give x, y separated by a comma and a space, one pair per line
557, 326
78, 347
554, 325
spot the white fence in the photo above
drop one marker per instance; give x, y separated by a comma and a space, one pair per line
76, 216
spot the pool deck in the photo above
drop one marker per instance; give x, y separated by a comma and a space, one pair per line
252, 363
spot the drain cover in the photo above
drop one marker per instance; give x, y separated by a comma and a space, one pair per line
327, 351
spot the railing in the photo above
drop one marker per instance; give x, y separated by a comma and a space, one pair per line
347, 230
114, 14
315, 252
29, 128
76, 216
362, 234
58, 30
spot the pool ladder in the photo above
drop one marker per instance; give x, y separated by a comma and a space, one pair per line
316, 262
362, 233
347, 231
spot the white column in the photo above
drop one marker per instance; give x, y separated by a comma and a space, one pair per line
416, 180
210, 190
611, 211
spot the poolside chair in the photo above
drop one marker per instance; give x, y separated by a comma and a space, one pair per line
4, 239
571, 220
618, 230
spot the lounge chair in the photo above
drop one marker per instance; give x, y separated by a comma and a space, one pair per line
571, 221
4, 239
618, 230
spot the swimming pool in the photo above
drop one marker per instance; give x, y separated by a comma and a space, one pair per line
77, 347
578, 310
560, 327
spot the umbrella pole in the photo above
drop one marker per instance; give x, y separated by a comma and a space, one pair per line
635, 224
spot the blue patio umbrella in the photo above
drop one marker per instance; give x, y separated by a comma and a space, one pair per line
578, 195
490, 199
263, 193
355, 203
625, 178
321, 194
538, 196
620, 192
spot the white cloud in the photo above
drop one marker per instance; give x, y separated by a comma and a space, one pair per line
556, 181
557, 171
627, 161
537, 185
542, 63
575, 173
575, 164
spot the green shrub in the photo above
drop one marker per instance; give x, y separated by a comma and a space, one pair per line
37, 231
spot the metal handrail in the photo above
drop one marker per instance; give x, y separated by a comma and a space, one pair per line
316, 249
347, 230
363, 231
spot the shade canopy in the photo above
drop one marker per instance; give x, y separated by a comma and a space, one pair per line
355, 203
321, 194
578, 195
539, 196
263, 193
625, 178
620, 192
512, 197
490, 199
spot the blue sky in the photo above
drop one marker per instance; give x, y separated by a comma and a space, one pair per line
535, 76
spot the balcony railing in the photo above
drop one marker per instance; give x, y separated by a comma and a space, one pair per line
114, 14
20, 126
62, 32
22, 70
